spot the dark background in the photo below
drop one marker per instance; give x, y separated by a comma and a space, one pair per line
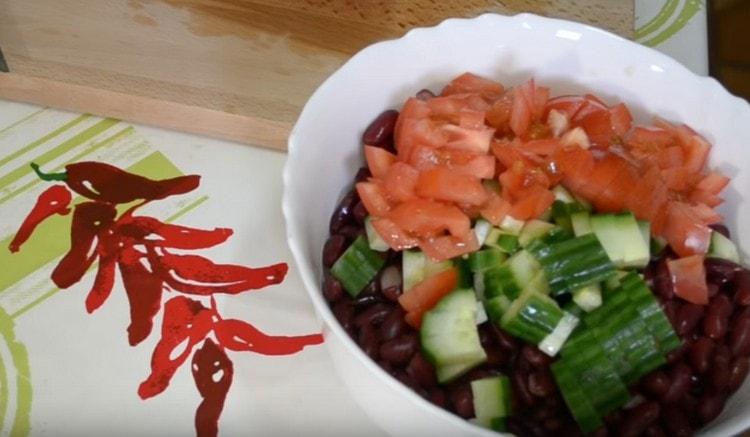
729, 44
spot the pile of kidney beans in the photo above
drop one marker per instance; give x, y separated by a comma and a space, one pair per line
676, 399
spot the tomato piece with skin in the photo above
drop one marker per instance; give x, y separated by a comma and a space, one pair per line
670, 157
498, 116
470, 140
449, 246
613, 197
423, 296
689, 279
440, 183
713, 183
684, 230
496, 208
467, 163
521, 113
400, 182
378, 160
545, 147
426, 218
472, 83
532, 203
568, 105
621, 119
396, 238
373, 197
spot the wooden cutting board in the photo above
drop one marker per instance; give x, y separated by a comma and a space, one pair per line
233, 69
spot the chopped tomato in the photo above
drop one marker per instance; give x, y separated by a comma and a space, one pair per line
649, 137
443, 184
544, 147
706, 214
378, 160
706, 198
373, 197
520, 114
689, 279
598, 126
532, 203
471, 83
621, 119
670, 157
396, 238
496, 208
568, 105
427, 218
423, 296
400, 181
713, 183
449, 246
467, 163
471, 140
498, 116
685, 231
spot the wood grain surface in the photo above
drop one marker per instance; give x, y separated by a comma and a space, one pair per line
253, 59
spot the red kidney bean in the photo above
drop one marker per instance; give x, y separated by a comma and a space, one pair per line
368, 340
541, 383
713, 290
520, 389
362, 175
701, 354
601, 432
639, 418
737, 373
676, 422
463, 401
399, 350
662, 280
719, 376
688, 317
656, 383
351, 232
365, 300
359, 213
739, 339
677, 354
392, 293
373, 315
333, 249
670, 308
720, 228
742, 287
342, 213
680, 377
393, 325
505, 340
496, 356
553, 424
407, 380
614, 418
332, 289
720, 271
710, 406
381, 128
344, 312
655, 431
425, 94
421, 371
535, 357
438, 397
717, 317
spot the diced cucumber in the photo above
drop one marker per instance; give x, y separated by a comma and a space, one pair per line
449, 335
552, 343
574, 396
621, 238
373, 238
357, 266
511, 225
481, 230
562, 194
485, 259
645, 228
589, 297
648, 307
479, 288
533, 230
723, 247
491, 399
572, 264
496, 307
580, 221
499, 424
532, 317
416, 267
491, 185
657, 244
465, 276
512, 276
481, 314
561, 212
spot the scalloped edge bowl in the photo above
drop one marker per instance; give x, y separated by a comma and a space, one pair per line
325, 153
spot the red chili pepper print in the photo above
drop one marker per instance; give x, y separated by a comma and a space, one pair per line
89, 219
141, 248
54, 200
241, 336
212, 372
107, 183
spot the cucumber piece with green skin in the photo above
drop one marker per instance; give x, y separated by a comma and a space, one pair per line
374, 239
486, 259
572, 264
492, 399
562, 211
578, 403
496, 307
416, 267
648, 307
532, 317
656, 245
511, 225
588, 298
581, 223
499, 424
357, 266
563, 195
645, 228
449, 335
553, 342
465, 276
533, 230
723, 247
621, 238
502, 240
512, 276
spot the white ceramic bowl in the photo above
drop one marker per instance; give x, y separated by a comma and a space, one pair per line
325, 152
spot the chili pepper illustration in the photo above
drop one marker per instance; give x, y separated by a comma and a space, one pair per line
172, 236
89, 219
241, 336
193, 274
54, 200
184, 319
213, 373
140, 248
107, 183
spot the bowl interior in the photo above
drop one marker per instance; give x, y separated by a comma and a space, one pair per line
325, 148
